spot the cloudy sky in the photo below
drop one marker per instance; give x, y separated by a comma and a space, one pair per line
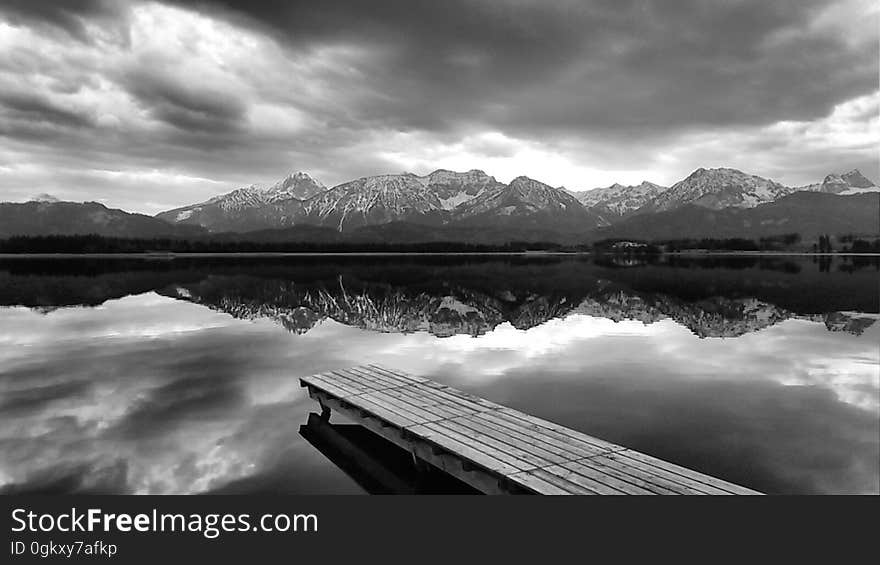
151, 105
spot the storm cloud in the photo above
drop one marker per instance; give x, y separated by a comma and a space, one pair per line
153, 105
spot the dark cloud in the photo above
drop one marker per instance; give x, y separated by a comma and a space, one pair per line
69, 16
33, 108
185, 106
228, 93
526, 66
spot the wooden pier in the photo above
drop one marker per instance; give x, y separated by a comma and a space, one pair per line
495, 449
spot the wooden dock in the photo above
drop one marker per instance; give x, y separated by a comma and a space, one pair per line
496, 449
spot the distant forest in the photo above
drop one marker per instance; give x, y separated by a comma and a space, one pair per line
102, 244
784, 242
81, 244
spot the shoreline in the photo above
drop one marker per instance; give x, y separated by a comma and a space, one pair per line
172, 255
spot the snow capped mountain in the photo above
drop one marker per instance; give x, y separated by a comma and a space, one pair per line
295, 185
853, 182
439, 198
709, 188
456, 188
719, 188
526, 201
618, 201
401, 197
249, 197
248, 208
853, 179
476, 200
372, 200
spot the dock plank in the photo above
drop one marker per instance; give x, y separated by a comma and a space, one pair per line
496, 448
333, 387
473, 455
437, 432
619, 478
511, 443
379, 380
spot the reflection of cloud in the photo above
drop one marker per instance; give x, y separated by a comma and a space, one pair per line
146, 394
132, 317
793, 352
151, 394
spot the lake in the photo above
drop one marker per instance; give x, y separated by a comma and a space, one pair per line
182, 375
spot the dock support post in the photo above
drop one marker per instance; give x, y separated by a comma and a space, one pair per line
325, 412
420, 464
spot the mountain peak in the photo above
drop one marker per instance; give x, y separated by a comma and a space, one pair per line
44, 197
299, 176
299, 185
847, 183
856, 179
716, 171
618, 201
719, 188
441, 176
523, 179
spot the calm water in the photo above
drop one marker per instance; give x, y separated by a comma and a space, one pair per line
181, 376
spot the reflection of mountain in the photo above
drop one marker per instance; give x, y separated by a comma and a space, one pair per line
462, 311
382, 308
850, 322
713, 317
442, 295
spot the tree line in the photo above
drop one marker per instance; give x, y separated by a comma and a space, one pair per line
81, 244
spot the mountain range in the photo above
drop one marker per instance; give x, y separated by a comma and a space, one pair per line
48, 216
474, 206
440, 198
801, 212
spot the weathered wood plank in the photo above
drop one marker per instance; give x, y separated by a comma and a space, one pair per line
383, 412
378, 399
513, 445
529, 459
616, 478
357, 381
537, 485
334, 387
496, 448
436, 432
454, 446
547, 437
399, 374
404, 394
582, 486
596, 483
545, 426
475, 402
683, 475
431, 412
379, 379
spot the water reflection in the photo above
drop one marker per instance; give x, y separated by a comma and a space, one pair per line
174, 377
